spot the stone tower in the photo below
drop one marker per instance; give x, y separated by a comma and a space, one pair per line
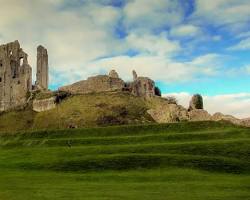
15, 76
134, 75
142, 86
196, 102
42, 74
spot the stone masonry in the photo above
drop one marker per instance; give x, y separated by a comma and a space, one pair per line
196, 102
42, 78
15, 76
141, 86
100, 83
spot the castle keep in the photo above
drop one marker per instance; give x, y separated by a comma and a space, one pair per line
16, 76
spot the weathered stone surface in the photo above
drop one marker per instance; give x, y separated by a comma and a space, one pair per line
42, 74
219, 116
113, 74
196, 102
143, 87
165, 113
100, 83
199, 115
134, 75
245, 122
15, 76
44, 104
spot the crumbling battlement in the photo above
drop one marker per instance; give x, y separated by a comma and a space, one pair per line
100, 83
42, 79
140, 86
16, 75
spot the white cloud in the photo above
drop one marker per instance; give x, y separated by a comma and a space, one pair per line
233, 104
216, 38
153, 44
244, 35
76, 38
148, 14
239, 71
185, 31
72, 37
242, 45
158, 67
208, 59
247, 69
232, 13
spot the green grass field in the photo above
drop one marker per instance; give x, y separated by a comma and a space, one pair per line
198, 160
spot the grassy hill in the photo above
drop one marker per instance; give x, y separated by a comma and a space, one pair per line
198, 160
97, 109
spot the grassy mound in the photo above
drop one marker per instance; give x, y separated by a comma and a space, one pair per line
97, 109
198, 160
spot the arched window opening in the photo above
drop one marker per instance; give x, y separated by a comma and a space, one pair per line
21, 61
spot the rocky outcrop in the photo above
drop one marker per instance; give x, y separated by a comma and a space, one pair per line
171, 112
219, 117
165, 113
196, 102
245, 122
199, 115
44, 104
195, 110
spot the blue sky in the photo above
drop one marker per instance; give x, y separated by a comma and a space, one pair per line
193, 46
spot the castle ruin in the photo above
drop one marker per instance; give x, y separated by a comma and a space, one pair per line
140, 86
16, 76
42, 78
16, 79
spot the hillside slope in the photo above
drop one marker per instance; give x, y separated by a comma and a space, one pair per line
198, 160
103, 109
89, 110
97, 109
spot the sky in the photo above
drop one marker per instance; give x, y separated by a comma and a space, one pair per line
187, 47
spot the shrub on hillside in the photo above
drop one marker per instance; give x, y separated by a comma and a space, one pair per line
157, 91
108, 120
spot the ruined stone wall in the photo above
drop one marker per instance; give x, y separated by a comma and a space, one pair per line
42, 74
196, 102
101, 83
15, 76
143, 87
44, 104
